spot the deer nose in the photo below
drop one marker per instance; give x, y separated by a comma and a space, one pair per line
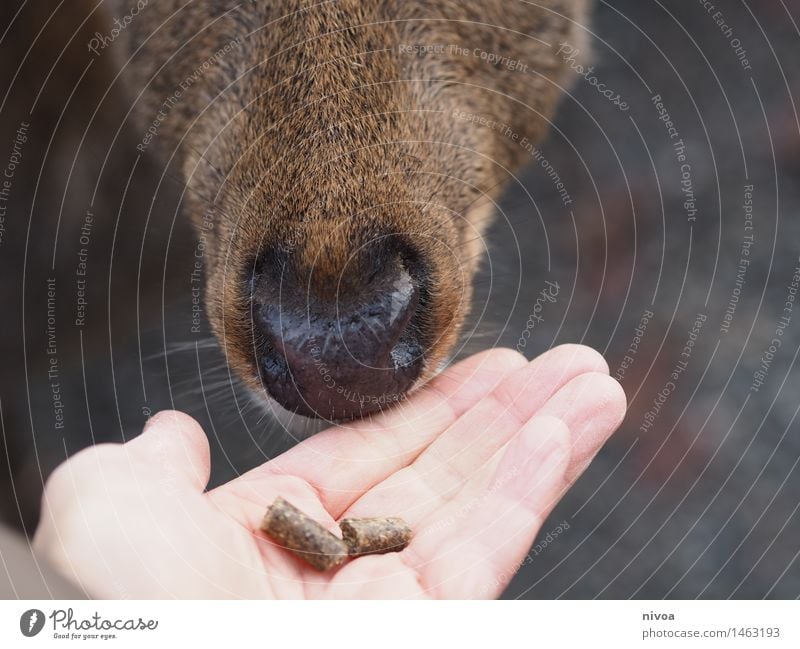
345, 357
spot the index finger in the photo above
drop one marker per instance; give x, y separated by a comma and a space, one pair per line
341, 464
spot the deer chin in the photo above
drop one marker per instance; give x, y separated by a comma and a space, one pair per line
299, 427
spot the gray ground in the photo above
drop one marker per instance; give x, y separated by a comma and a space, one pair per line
704, 502
701, 503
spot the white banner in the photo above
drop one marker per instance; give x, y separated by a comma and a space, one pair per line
390, 625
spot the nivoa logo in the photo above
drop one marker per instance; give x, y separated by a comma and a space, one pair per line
31, 622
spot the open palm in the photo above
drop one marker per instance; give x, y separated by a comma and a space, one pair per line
474, 462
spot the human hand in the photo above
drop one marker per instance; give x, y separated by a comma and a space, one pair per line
474, 462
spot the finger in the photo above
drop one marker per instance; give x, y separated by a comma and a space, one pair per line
474, 553
597, 406
580, 384
349, 456
175, 446
341, 464
438, 477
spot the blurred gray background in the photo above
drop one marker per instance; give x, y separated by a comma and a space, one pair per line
698, 493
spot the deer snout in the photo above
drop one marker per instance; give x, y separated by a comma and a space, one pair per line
343, 354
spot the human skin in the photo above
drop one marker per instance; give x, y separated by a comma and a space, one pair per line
474, 462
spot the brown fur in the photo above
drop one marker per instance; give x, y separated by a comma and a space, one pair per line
316, 134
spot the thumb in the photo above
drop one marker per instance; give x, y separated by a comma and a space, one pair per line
175, 443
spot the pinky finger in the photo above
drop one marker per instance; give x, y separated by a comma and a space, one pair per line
474, 548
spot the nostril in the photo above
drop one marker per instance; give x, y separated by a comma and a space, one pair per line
373, 323
340, 358
406, 352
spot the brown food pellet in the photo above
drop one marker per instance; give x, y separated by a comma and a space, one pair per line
375, 535
303, 536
